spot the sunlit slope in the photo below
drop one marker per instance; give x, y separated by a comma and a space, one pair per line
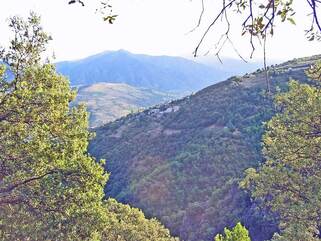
109, 101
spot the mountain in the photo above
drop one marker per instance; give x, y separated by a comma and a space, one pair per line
109, 101
181, 161
136, 81
163, 73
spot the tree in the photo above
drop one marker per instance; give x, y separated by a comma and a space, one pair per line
289, 182
238, 233
50, 187
130, 224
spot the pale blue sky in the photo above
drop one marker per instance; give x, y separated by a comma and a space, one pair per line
157, 27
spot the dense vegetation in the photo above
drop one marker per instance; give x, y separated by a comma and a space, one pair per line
238, 233
288, 183
182, 161
50, 188
107, 102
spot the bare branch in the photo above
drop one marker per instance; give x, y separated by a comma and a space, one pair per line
252, 27
236, 51
211, 25
76, 1
265, 68
315, 15
260, 18
200, 17
13, 186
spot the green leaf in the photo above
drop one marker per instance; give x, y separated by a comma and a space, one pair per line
291, 20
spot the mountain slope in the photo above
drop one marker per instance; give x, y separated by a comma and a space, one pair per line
109, 101
181, 161
154, 72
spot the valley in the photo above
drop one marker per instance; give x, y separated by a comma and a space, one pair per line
181, 161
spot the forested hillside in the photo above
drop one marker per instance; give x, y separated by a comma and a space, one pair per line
106, 149
182, 161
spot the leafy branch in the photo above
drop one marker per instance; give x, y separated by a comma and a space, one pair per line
259, 19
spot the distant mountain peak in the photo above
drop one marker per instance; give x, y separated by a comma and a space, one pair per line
164, 73
123, 51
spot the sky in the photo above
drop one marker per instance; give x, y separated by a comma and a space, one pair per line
155, 27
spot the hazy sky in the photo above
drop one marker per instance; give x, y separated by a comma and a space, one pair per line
157, 27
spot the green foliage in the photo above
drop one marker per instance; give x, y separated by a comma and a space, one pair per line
315, 72
130, 224
28, 42
288, 183
50, 188
47, 179
238, 233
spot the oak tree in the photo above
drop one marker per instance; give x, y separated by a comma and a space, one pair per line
50, 187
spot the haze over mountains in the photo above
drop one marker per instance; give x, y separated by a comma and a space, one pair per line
182, 161
163, 73
232, 66
137, 81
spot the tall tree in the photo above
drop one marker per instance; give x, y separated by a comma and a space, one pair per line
48, 184
289, 182
50, 188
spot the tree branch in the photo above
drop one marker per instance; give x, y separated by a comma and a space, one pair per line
13, 186
211, 25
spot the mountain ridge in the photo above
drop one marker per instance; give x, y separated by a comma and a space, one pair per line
164, 73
